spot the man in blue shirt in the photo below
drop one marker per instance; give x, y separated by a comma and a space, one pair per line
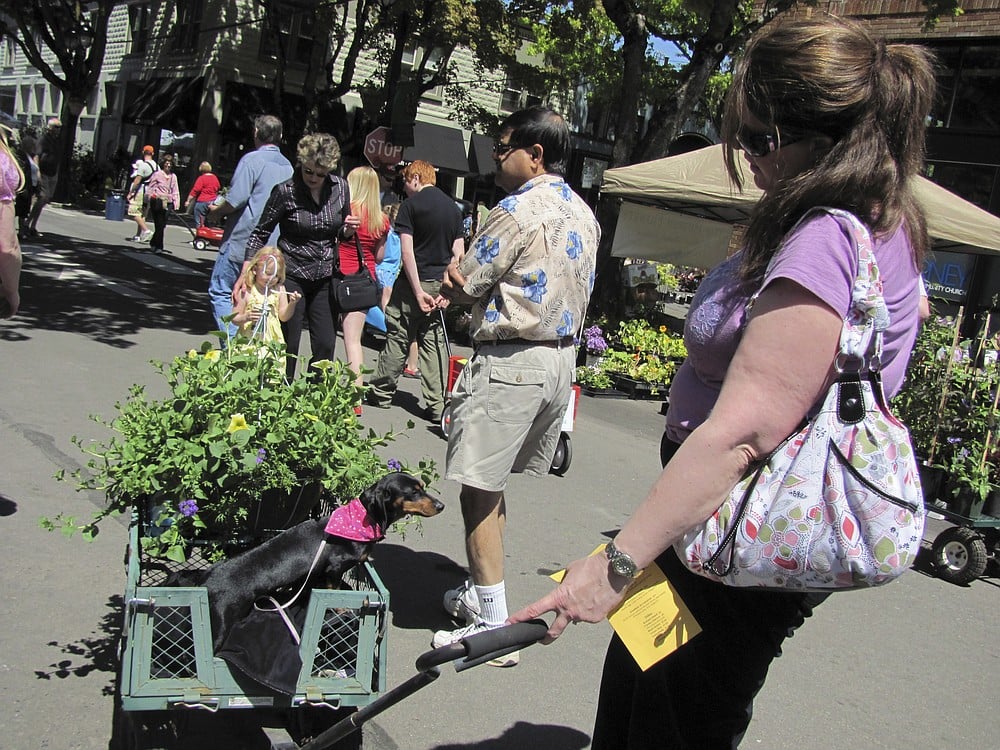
256, 174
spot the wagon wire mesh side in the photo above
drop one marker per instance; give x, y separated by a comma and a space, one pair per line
167, 658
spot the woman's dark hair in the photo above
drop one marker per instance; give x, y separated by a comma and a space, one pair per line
543, 126
828, 76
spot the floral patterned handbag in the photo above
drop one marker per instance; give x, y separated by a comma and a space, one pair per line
838, 504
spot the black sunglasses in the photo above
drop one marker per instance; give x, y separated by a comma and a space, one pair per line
762, 144
499, 149
314, 172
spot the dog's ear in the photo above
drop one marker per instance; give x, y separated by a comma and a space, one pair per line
376, 500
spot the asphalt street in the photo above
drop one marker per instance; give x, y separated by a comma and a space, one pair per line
913, 665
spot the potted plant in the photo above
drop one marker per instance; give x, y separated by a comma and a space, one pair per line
949, 404
231, 445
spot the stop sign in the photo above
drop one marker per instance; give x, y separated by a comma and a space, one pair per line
380, 151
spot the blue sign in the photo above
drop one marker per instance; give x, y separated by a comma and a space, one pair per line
947, 275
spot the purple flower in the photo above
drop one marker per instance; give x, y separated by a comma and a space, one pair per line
261, 453
187, 508
594, 337
393, 465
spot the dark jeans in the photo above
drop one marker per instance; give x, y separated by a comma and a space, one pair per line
315, 304
158, 215
200, 209
700, 697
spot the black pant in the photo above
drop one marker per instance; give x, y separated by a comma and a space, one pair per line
317, 305
700, 697
158, 215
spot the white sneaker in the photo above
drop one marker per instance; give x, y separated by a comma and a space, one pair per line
463, 603
448, 637
146, 236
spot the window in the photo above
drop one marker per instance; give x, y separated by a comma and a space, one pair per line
296, 32
414, 59
112, 91
187, 26
8, 99
138, 24
515, 98
9, 53
967, 83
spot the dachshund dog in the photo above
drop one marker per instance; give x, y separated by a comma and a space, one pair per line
308, 549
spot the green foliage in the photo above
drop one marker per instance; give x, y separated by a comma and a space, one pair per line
593, 376
87, 176
640, 337
229, 430
638, 351
949, 404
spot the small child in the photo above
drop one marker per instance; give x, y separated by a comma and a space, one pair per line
266, 297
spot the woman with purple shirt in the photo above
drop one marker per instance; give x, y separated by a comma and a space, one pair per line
826, 116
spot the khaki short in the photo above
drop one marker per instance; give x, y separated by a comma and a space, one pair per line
507, 412
137, 206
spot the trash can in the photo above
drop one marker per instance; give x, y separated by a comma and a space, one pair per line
114, 206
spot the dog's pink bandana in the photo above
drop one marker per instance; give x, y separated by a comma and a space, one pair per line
351, 522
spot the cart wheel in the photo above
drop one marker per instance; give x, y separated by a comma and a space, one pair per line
563, 455
446, 419
959, 555
200, 244
141, 730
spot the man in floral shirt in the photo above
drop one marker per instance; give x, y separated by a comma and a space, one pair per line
528, 276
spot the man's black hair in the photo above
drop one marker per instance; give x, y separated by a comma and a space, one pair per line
543, 126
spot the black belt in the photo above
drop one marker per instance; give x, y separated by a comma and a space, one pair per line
551, 343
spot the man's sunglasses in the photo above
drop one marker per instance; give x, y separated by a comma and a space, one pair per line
499, 149
762, 144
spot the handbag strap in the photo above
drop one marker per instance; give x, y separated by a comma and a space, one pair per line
868, 315
362, 268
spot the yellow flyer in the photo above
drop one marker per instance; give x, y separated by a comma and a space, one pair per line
653, 621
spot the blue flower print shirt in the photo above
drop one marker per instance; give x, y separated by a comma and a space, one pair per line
531, 266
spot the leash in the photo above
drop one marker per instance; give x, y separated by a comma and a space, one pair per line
280, 608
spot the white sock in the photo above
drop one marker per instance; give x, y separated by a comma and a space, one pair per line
493, 603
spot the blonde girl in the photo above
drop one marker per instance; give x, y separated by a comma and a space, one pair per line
266, 297
365, 204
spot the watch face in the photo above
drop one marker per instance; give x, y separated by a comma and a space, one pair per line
623, 567
621, 563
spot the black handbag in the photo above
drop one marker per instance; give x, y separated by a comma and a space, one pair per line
357, 291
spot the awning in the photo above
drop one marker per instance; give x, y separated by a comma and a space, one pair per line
443, 147
172, 103
481, 156
700, 201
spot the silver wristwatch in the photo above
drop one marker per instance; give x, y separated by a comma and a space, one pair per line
621, 563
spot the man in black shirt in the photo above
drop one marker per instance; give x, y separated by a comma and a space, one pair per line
429, 225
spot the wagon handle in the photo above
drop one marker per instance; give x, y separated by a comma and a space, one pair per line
473, 650
485, 645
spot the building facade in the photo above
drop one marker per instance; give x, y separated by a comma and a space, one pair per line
191, 76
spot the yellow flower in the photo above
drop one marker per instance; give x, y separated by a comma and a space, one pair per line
663, 329
213, 354
237, 423
192, 354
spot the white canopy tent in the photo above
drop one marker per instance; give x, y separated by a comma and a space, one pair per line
702, 203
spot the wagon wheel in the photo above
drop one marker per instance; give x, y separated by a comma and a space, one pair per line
446, 419
563, 455
138, 730
200, 244
959, 554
